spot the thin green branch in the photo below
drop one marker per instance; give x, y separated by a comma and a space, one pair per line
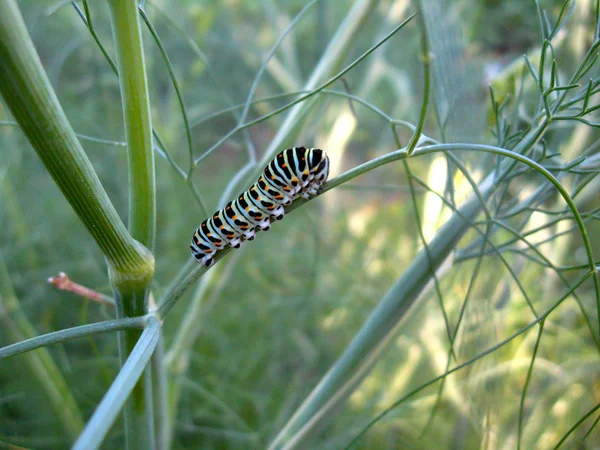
87, 20
426, 61
268, 57
71, 333
303, 97
369, 343
178, 93
526, 386
110, 407
467, 363
576, 425
82, 137
176, 291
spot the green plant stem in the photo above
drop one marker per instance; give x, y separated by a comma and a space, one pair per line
169, 66
182, 284
162, 416
70, 334
138, 124
87, 20
177, 359
526, 385
16, 326
426, 61
361, 354
130, 298
33, 103
366, 348
131, 295
107, 411
471, 361
329, 61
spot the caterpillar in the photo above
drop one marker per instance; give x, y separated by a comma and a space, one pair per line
295, 172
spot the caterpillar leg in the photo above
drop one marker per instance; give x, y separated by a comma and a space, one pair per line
235, 243
264, 224
297, 172
249, 234
278, 212
309, 192
202, 258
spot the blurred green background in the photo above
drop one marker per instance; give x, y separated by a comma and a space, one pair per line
291, 301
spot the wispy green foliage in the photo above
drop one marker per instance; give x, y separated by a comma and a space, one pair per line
440, 292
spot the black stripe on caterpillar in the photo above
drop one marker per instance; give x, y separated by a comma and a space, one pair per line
293, 173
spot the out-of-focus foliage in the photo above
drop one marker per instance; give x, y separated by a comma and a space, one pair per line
297, 295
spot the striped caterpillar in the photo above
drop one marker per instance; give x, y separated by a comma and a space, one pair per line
295, 172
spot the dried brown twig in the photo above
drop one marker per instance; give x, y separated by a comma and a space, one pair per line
64, 283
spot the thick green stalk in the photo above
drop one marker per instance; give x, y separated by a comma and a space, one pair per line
109, 408
33, 103
364, 351
30, 98
366, 348
138, 124
131, 295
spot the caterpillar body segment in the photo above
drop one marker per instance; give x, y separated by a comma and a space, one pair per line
293, 173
